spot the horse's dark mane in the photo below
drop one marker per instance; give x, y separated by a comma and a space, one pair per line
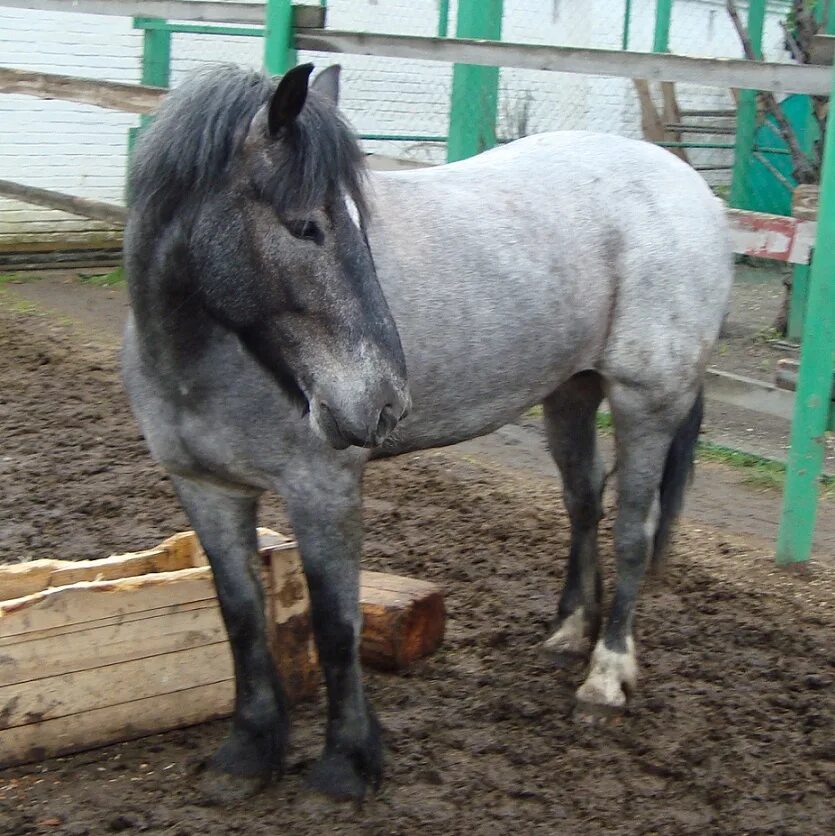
203, 123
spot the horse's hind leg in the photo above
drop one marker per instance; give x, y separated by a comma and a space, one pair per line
646, 429
324, 502
572, 436
225, 522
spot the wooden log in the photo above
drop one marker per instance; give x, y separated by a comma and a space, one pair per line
403, 620
113, 95
86, 208
786, 375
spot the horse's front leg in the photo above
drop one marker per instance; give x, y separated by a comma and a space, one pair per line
324, 501
225, 522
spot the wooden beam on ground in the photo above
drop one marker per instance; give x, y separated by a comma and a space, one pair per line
113, 95
86, 208
748, 393
707, 72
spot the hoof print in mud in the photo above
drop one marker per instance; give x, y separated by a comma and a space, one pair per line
221, 789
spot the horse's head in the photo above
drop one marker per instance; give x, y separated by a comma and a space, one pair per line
303, 293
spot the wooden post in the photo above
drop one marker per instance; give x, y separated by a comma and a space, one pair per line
746, 119
279, 52
475, 90
814, 382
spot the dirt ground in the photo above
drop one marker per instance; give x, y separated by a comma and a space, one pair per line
731, 732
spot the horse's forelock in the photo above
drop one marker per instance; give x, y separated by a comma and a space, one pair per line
201, 127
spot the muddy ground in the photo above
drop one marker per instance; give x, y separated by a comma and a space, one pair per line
732, 730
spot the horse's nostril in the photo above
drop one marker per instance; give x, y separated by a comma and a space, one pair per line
387, 422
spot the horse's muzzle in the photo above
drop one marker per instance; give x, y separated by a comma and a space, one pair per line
368, 426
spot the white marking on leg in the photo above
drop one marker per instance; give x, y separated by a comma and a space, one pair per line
611, 675
653, 516
571, 637
353, 212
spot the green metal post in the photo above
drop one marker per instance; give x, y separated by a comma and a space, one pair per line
825, 13
813, 403
443, 18
663, 16
627, 21
279, 51
746, 115
156, 69
475, 90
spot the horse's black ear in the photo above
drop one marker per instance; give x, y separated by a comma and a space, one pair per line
289, 98
327, 82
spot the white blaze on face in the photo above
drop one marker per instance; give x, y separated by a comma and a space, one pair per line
353, 212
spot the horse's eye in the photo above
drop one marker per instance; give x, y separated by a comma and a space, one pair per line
305, 230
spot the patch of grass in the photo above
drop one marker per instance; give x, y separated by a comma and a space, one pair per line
759, 472
20, 306
111, 279
767, 335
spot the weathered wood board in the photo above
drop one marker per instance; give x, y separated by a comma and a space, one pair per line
98, 651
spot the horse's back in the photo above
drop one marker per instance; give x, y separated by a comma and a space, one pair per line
510, 271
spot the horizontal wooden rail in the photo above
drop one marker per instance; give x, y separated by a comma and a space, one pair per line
216, 12
706, 72
86, 208
113, 95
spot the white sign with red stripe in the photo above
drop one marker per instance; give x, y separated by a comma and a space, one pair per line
772, 236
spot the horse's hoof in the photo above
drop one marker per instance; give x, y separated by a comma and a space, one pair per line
341, 777
611, 679
598, 714
223, 788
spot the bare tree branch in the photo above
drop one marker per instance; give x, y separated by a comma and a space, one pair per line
804, 169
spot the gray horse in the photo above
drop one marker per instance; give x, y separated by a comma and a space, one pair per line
279, 296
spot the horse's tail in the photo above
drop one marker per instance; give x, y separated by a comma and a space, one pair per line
678, 469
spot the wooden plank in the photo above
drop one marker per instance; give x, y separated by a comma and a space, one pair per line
775, 237
85, 602
119, 566
210, 12
86, 208
102, 644
18, 580
706, 72
63, 695
113, 95
137, 718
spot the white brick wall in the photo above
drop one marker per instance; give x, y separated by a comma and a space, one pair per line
82, 150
